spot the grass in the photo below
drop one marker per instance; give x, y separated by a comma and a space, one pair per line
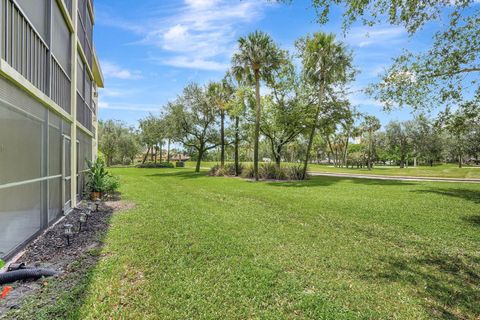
439, 171
198, 247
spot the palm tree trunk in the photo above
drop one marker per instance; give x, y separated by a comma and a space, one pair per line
312, 133
257, 124
222, 138
237, 164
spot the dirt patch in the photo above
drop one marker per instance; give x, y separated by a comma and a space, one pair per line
71, 262
119, 206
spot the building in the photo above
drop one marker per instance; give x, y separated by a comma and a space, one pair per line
49, 76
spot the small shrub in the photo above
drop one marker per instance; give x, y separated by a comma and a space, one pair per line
228, 170
180, 164
153, 165
248, 172
111, 184
214, 170
267, 171
294, 172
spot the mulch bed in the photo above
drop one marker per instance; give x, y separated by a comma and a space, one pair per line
50, 250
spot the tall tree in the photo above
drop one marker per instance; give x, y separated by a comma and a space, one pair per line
220, 94
255, 60
326, 64
370, 125
194, 119
444, 75
242, 99
399, 140
152, 133
283, 119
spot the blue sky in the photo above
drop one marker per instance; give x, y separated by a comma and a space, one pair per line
150, 50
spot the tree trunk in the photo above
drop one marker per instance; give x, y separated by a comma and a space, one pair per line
237, 163
222, 138
151, 155
161, 152
146, 155
199, 160
257, 124
168, 151
312, 133
460, 161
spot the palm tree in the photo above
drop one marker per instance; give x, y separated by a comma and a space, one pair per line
326, 63
257, 56
220, 94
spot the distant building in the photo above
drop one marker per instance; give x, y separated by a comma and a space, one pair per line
49, 75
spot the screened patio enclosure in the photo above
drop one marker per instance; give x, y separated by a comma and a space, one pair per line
49, 75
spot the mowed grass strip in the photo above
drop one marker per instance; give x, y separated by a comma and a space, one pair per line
198, 247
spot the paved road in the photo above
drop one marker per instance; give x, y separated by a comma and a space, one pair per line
401, 178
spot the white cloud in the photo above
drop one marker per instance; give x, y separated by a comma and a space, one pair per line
367, 36
112, 70
194, 63
200, 34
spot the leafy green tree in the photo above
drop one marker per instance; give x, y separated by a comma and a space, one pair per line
220, 94
110, 133
370, 125
152, 133
284, 111
326, 64
446, 74
399, 141
194, 119
242, 100
255, 60
459, 123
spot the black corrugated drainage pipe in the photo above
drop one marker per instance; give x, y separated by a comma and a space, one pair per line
25, 274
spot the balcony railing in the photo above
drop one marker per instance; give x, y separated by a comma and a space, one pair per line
61, 86
84, 113
23, 48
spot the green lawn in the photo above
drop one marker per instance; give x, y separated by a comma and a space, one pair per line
198, 247
440, 171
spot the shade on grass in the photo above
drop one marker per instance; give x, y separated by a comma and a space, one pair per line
439, 171
198, 247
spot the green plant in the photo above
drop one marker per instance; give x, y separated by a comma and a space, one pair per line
2, 263
248, 172
111, 184
180, 164
99, 179
153, 165
96, 175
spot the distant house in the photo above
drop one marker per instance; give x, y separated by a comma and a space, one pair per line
49, 76
180, 157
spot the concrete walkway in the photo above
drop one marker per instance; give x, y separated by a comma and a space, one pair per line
382, 177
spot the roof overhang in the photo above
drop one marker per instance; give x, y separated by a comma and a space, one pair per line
97, 70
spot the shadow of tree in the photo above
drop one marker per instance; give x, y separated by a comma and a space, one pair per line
322, 181
448, 285
466, 194
182, 174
